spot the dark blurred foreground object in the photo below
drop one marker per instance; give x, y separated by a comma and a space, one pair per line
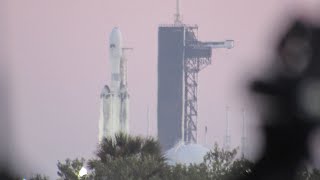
292, 102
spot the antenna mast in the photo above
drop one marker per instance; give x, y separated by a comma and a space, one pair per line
243, 138
205, 135
177, 19
227, 137
148, 122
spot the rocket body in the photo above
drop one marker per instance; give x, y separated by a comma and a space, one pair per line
114, 100
115, 55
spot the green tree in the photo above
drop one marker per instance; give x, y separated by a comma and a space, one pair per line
128, 157
219, 162
308, 174
240, 168
315, 174
69, 170
135, 158
303, 173
187, 172
39, 177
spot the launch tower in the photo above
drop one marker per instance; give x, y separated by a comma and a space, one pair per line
181, 56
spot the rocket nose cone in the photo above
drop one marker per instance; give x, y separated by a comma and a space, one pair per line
115, 39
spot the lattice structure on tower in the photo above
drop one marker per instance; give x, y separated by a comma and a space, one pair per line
197, 57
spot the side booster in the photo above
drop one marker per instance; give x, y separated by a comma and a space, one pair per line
114, 100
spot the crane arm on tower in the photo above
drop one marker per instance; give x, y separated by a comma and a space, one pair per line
228, 44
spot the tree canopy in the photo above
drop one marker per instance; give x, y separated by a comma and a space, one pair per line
125, 157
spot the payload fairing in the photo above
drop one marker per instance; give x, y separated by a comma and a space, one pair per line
114, 100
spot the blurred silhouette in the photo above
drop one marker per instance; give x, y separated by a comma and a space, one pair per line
291, 98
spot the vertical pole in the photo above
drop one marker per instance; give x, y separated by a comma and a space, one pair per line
177, 19
148, 122
227, 135
227, 121
178, 8
205, 135
243, 139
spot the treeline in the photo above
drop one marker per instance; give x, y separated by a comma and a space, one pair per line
134, 158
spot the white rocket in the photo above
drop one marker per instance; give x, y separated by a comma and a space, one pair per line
114, 100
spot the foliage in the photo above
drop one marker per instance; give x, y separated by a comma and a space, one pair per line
305, 174
123, 145
69, 170
128, 157
240, 168
219, 162
39, 177
314, 175
190, 172
135, 158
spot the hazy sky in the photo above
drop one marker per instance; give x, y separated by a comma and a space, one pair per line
59, 63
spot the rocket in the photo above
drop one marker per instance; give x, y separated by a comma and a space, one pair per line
114, 99
115, 54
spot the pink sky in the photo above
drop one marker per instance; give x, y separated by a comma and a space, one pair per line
59, 64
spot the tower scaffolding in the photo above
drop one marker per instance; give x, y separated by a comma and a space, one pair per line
197, 57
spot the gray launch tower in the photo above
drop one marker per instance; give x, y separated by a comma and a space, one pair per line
181, 56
